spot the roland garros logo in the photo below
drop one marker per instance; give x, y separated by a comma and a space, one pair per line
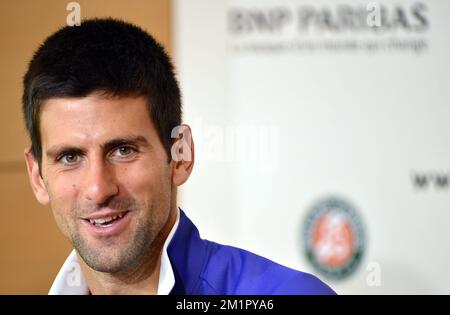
334, 238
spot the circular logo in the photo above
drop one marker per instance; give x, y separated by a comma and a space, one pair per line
334, 238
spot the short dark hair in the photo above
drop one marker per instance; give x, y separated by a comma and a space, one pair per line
107, 55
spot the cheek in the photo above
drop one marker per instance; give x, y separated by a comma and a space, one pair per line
143, 180
63, 199
65, 190
62, 216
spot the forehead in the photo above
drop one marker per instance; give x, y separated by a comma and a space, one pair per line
95, 118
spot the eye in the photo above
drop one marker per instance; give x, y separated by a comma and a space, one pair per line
124, 151
70, 158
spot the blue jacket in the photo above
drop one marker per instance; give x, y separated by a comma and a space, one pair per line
204, 267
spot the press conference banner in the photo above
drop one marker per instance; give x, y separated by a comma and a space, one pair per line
322, 135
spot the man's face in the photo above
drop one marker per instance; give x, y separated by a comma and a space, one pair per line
102, 160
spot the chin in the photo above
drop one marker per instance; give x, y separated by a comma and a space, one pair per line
108, 264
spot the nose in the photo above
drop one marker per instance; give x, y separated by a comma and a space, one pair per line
100, 181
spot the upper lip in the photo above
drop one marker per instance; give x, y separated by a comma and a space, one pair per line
104, 214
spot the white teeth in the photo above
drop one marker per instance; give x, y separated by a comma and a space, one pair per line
105, 220
101, 220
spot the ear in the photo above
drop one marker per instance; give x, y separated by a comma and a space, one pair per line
182, 154
36, 181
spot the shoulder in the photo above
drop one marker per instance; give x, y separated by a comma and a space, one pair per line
231, 270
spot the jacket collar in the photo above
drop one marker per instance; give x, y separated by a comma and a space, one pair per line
187, 254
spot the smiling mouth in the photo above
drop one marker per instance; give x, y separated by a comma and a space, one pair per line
107, 221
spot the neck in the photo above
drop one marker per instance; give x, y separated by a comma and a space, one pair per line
142, 279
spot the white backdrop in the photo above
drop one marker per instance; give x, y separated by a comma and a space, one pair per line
294, 101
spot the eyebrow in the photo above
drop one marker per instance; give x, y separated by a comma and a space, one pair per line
55, 151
